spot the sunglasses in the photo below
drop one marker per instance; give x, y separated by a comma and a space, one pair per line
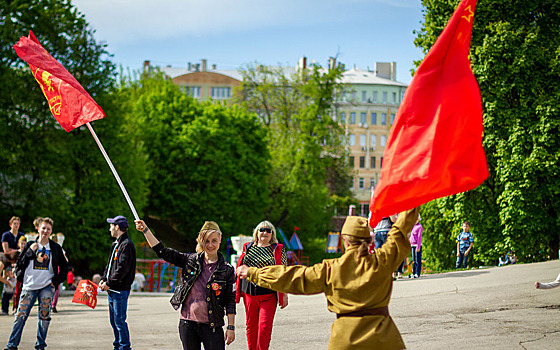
265, 229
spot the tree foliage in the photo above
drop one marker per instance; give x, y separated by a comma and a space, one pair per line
206, 161
46, 172
515, 56
304, 140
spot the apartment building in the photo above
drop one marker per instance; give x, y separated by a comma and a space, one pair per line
368, 108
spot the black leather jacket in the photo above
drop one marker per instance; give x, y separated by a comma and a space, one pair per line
219, 288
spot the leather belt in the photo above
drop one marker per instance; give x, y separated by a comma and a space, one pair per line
376, 311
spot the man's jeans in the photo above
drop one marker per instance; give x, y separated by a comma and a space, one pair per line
26, 303
380, 238
118, 303
462, 260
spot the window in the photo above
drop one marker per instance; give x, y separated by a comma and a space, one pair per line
364, 96
351, 161
352, 139
361, 183
364, 210
373, 141
363, 140
351, 183
362, 162
363, 118
372, 163
392, 118
384, 96
193, 91
353, 95
383, 140
394, 98
381, 162
343, 118
373, 118
352, 117
383, 118
374, 96
220, 93
372, 183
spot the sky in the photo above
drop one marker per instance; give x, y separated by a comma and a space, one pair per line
233, 34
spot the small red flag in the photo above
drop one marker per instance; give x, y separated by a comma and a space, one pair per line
296, 228
69, 102
435, 145
86, 293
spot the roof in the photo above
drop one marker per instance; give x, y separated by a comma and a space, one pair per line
360, 76
352, 76
176, 72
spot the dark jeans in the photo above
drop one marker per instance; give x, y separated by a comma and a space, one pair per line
193, 333
6, 297
462, 260
118, 303
380, 238
416, 261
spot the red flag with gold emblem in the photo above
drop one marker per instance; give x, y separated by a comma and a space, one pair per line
435, 145
69, 102
86, 293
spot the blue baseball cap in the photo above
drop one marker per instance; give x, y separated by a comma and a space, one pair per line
119, 220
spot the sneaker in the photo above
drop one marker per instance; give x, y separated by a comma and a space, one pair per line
5, 314
416, 276
54, 310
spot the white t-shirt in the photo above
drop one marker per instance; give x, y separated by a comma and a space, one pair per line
39, 272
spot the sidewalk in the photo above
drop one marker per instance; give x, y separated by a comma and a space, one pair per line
494, 308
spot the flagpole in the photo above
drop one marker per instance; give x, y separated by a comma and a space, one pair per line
123, 189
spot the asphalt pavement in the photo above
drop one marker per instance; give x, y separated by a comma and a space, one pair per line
491, 308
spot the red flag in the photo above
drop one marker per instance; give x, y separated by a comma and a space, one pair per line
435, 145
296, 228
86, 293
70, 104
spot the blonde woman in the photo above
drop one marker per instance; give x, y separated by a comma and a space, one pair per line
204, 291
260, 303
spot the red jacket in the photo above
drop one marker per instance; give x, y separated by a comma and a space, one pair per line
277, 258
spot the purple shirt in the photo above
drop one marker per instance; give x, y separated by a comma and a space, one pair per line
416, 236
194, 307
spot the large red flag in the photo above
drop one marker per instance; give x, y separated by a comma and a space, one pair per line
435, 145
86, 293
69, 102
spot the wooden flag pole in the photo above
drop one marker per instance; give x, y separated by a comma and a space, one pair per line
123, 189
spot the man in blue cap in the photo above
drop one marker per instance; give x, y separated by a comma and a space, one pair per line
117, 279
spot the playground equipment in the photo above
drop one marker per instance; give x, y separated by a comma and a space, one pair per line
237, 242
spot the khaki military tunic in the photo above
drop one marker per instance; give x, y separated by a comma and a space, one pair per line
350, 284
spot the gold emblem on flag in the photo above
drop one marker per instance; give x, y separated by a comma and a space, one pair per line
50, 86
470, 14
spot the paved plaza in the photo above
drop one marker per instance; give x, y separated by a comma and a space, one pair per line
493, 308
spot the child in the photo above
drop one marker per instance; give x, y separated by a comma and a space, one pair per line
8, 292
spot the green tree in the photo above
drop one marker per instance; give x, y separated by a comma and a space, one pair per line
309, 167
206, 161
46, 172
515, 56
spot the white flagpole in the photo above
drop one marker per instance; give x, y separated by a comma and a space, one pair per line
123, 189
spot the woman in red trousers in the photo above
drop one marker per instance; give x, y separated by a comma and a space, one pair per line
260, 303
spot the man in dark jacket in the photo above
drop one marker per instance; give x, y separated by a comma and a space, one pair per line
117, 279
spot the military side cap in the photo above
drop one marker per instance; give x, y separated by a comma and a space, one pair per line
356, 226
210, 225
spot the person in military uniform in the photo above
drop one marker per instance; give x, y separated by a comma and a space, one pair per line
357, 285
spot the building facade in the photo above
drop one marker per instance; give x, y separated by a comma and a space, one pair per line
367, 109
